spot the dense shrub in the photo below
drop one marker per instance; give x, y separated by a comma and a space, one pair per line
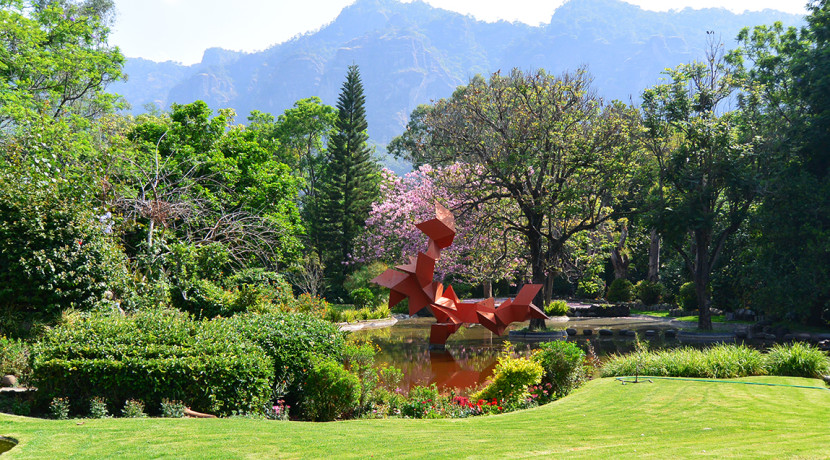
311, 305
619, 291
361, 279
363, 298
55, 253
563, 363
557, 308
292, 341
687, 297
720, 361
649, 292
133, 409
590, 288
330, 391
14, 358
150, 356
797, 360
511, 379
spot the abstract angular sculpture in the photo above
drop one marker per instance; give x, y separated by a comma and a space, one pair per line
415, 282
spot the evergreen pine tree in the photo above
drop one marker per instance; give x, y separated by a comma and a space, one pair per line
349, 184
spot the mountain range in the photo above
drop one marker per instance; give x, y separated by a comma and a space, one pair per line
413, 53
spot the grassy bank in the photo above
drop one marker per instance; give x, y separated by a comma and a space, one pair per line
603, 419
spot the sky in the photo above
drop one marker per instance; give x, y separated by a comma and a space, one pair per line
180, 30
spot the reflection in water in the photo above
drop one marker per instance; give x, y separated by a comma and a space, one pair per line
470, 355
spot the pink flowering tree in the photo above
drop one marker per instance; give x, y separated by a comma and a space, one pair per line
480, 254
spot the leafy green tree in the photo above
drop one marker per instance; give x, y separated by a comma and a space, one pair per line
786, 259
349, 183
209, 181
543, 145
709, 172
55, 60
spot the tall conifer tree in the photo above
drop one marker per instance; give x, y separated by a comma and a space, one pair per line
349, 184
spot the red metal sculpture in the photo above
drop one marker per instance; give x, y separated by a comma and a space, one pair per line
415, 281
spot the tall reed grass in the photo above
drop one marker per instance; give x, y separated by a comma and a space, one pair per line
721, 361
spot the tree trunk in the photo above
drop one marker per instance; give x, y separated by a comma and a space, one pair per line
654, 257
701, 279
487, 287
619, 260
537, 269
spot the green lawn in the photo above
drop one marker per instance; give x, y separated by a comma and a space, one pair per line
691, 319
604, 419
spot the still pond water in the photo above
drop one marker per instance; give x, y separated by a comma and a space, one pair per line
471, 353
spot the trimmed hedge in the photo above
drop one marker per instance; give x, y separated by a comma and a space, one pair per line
151, 356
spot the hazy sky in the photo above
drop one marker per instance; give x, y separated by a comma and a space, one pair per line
180, 30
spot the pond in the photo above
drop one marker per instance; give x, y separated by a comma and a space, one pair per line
6, 444
471, 353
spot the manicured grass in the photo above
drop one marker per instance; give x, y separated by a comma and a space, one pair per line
604, 419
691, 319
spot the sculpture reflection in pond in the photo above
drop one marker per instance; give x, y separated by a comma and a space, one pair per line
415, 282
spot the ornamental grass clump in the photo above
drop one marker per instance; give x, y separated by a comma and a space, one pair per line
719, 361
797, 360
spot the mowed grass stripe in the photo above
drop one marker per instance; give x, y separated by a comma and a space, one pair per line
664, 419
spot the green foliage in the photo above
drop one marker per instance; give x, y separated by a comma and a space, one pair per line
511, 380
687, 297
590, 288
133, 408
649, 292
564, 366
796, 360
14, 358
790, 67
557, 308
292, 342
311, 305
361, 278
57, 61
59, 408
719, 361
98, 408
150, 356
620, 290
418, 401
362, 298
330, 391
172, 409
54, 252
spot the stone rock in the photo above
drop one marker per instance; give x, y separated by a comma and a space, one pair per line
570, 331
623, 332
606, 332
587, 332
670, 334
742, 333
826, 379
8, 381
789, 337
651, 333
630, 334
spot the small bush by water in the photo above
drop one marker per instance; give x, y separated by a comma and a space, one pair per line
564, 366
720, 361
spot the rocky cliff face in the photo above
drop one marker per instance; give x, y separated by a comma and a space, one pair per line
412, 53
